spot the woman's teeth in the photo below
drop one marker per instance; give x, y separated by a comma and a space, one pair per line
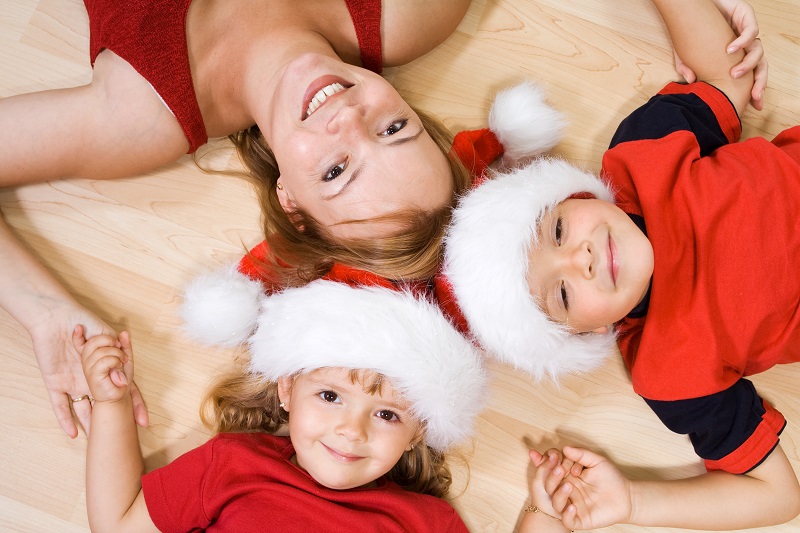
323, 95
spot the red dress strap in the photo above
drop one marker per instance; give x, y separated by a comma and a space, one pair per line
366, 16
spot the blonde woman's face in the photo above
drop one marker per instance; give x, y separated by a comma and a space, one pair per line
343, 436
350, 148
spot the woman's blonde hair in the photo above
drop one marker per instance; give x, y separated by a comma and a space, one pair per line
242, 401
413, 253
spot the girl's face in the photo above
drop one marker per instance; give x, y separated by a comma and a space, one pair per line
350, 148
592, 264
343, 436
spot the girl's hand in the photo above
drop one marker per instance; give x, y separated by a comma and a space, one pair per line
549, 474
107, 364
742, 19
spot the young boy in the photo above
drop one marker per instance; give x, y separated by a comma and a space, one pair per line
693, 266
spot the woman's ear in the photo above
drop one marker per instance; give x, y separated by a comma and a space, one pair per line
285, 200
285, 391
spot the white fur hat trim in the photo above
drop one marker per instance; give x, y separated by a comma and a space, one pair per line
486, 262
408, 340
221, 308
523, 123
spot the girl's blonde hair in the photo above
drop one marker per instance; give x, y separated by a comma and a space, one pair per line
413, 253
242, 401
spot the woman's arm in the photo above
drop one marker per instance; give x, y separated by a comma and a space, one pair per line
114, 463
700, 36
48, 312
600, 496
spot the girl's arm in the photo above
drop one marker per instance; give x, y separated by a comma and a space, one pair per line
600, 496
114, 464
700, 36
48, 312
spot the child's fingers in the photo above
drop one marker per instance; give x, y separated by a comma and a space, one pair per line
536, 457
561, 496
96, 343
583, 457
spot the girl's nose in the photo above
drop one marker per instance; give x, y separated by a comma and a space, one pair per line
352, 426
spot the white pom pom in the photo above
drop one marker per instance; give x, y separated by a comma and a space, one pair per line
524, 124
221, 308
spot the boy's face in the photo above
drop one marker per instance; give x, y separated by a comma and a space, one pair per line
591, 266
344, 436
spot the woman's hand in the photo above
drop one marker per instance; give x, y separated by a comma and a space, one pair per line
60, 365
742, 19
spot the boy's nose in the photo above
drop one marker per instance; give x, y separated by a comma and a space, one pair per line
582, 260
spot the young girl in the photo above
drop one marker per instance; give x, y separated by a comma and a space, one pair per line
688, 263
373, 387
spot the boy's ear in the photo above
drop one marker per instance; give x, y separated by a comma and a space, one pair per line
285, 391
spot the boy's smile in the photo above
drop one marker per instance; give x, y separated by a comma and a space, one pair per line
589, 265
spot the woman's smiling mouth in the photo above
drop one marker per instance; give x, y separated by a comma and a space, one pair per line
319, 92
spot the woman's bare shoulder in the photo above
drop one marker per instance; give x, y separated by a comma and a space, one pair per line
412, 28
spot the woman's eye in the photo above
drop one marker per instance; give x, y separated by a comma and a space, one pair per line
334, 172
564, 299
329, 396
387, 415
394, 127
558, 231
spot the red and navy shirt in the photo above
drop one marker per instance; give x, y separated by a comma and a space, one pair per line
722, 217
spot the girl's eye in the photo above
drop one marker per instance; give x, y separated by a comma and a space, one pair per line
394, 127
564, 299
558, 232
334, 172
388, 415
329, 396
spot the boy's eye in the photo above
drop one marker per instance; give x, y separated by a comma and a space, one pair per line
334, 172
329, 396
564, 299
394, 127
558, 231
388, 415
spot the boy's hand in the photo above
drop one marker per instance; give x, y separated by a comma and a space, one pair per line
107, 364
598, 496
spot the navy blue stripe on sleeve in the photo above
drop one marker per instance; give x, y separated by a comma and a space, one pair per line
717, 424
665, 114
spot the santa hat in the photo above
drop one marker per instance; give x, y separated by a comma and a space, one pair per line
486, 263
521, 125
405, 338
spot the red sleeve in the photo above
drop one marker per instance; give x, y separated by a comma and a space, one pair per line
174, 494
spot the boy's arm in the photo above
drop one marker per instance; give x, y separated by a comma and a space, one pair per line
767, 495
114, 463
700, 35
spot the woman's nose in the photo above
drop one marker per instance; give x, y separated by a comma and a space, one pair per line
349, 120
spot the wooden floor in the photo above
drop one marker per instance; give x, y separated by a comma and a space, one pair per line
127, 247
